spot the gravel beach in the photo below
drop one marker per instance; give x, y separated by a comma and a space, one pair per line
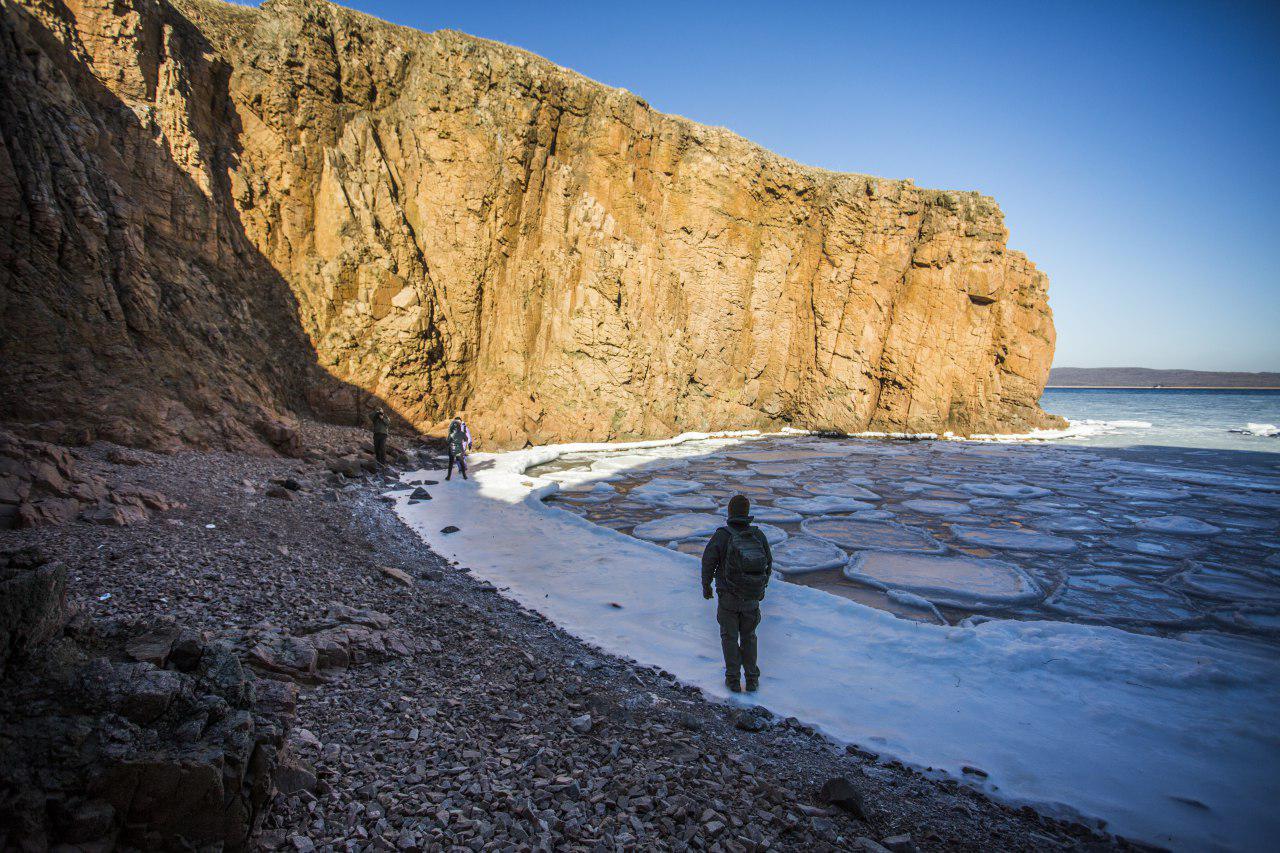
454, 718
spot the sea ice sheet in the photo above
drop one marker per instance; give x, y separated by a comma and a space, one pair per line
957, 581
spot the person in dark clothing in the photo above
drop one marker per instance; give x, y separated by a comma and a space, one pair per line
459, 442
739, 561
381, 427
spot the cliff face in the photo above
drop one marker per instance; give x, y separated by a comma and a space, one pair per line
213, 215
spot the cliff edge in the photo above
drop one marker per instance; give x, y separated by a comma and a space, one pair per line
212, 217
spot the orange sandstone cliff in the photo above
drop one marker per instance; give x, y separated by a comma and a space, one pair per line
213, 217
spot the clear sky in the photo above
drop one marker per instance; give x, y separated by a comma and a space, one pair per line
1134, 147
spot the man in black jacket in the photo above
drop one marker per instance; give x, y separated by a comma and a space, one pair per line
738, 608
381, 427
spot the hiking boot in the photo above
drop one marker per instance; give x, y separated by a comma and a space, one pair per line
733, 683
753, 684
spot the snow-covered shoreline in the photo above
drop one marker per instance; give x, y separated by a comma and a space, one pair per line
1168, 741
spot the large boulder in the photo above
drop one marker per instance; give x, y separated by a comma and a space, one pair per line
33, 605
174, 752
44, 484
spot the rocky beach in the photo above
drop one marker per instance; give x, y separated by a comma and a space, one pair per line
236, 239
276, 648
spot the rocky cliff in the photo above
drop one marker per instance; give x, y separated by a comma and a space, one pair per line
214, 216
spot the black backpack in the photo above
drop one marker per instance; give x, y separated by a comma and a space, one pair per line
746, 566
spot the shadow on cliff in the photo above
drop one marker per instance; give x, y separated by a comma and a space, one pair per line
212, 324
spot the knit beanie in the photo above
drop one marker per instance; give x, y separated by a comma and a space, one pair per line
739, 506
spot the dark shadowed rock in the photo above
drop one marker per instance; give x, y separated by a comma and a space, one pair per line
840, 793
32, 602
130, 755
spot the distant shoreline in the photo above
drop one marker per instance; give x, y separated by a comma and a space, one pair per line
1164, 387
1135, 378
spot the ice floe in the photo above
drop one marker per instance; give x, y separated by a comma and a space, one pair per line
1145, 493
936, 507
1113, 598
856, 534
779, 469
660, 488
598, 493
1070, 524
958, 581
1225, 585
777, 515
798, 454
1263, 430
685, 525
919, 602
842, 490
1177, 525
774, 535
1005, 490
1156, 547
821, 504
1013, 539
802, 554
873, 515
1257, 621
688, 501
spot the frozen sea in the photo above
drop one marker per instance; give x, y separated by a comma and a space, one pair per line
948, 603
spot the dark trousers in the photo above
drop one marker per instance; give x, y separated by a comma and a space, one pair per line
380, 447
738, 622
460, 459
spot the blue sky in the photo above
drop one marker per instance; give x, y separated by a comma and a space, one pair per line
1134, 147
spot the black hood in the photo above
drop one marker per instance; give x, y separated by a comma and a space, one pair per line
741, 520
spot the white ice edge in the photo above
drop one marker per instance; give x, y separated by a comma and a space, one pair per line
1083, 428
1078, 720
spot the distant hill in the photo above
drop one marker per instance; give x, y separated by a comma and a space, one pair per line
1145, 377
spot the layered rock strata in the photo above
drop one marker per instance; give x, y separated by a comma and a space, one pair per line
214, 216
